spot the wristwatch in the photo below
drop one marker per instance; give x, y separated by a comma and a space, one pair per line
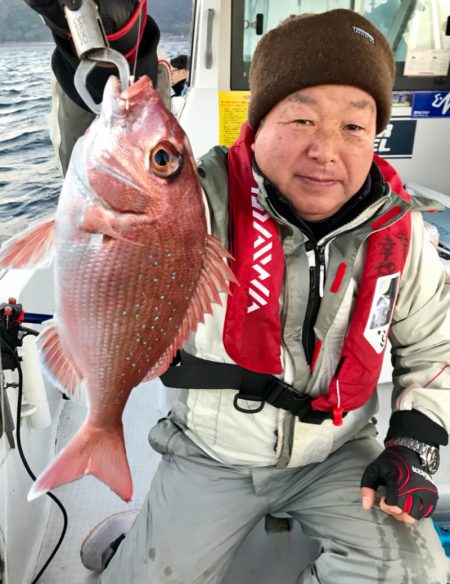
429, 455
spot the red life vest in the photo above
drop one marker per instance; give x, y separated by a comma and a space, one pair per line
252, 328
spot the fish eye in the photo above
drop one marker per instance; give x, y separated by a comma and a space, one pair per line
165, 160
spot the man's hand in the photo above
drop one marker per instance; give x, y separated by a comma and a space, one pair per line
410, 492
114, 13
129, 30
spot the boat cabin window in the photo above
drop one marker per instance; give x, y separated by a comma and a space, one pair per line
407, 24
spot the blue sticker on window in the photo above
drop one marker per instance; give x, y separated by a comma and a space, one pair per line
431, 104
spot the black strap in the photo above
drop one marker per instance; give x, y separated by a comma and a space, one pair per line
129, 35
191, 372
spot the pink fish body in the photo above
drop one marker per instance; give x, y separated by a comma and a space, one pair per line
135, 271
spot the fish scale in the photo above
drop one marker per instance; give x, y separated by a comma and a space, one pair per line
135, 271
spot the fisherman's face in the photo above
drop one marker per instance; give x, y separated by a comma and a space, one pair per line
316, 147
177, 75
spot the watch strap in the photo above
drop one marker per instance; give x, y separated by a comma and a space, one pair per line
411, 443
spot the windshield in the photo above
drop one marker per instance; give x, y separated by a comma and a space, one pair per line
407, 24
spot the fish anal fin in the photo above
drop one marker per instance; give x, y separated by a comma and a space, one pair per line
213, 280
94, 451
31, 248
57, 365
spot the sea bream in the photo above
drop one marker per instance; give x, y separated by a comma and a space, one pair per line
135, 271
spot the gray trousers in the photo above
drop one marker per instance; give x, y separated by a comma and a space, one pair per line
198, 513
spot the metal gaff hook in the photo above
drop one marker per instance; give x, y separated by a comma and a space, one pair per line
102, 57
91, 45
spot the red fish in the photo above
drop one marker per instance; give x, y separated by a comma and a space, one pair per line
135, 271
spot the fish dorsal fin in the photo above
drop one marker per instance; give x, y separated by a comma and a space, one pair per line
57, 365
31, 248
213, 280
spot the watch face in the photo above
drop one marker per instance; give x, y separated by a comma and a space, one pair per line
432, 460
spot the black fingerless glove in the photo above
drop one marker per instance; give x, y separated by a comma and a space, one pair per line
126, 25
407, 484
399, 469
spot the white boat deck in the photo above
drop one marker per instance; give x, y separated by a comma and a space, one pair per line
88, 501
263, 558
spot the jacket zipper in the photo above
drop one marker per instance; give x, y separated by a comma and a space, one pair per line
316, 260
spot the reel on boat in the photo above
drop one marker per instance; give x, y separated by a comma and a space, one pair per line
18, 351
11, 318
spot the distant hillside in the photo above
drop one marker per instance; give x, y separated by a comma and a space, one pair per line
18, 23
172, 16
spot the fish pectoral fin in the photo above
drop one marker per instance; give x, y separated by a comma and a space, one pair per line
102, 221
31, 248
95, 451
57, 365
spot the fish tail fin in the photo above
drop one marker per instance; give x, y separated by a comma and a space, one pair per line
95, 451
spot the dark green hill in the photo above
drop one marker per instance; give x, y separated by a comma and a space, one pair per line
172, 16
19, 24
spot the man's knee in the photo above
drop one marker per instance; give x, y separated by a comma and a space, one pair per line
425, 555
402, 554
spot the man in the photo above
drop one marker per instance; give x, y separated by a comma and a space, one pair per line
178, 75
130, 31
277, 416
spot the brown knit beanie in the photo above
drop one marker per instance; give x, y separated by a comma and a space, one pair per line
336, 47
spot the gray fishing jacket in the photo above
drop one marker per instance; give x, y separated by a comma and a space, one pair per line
419, 335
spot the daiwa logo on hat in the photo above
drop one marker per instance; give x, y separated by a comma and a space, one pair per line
363, 33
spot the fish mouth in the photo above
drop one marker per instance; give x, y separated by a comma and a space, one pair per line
143, 85
118, 100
